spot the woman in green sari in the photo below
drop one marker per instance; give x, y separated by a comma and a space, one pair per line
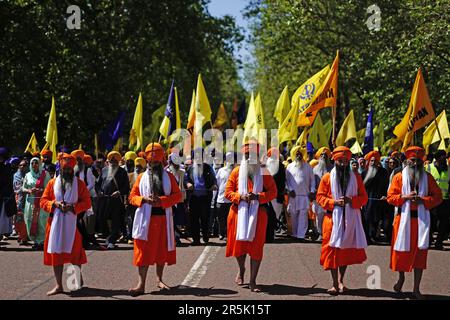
34, 184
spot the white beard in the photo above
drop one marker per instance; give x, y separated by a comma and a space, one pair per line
198, 170
112, 172
415, 174
252, 169
299, 163
273, 165
321, 168
371, 172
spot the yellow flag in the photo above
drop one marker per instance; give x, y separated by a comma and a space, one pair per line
136, 139
51, 136
288, 130
419, 113
303, 95
283, 106
202, 111
165, 128
32, 145
255, 120
360, 134
347, 131
317, 136
356, 148
96, 145
324, 97
378, 136
118, 145
222, 117
328, 126
191, 117
431, 134
303, 138
442, 145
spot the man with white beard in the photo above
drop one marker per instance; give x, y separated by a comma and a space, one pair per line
301, 185
278, 172
376, 182
415, 192
323, 155
341, 192
249, 188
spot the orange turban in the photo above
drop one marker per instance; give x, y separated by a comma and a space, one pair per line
341, 152
322, 150
87, 159
252, 145
67, 161
415, 152
394, 154
114, 155
154, 152
47, 153
371, 154
78, 153
273, 151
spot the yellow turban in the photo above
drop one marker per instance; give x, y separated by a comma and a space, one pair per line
322, 150
295, 150
130, 155
140, 162
114, 155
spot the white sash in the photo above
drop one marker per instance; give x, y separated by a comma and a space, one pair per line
298, 180
248, 213
143, 215
402, 242
64, 225
348, 233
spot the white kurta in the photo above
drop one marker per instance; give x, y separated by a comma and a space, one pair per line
299, 179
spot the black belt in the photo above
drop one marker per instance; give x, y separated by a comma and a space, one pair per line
158, 211
412, 213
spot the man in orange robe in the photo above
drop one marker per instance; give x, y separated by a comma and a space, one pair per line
249, 188
414, 192
341, 193
154, 193
64, 198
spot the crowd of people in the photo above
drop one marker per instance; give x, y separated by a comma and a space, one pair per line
344, 201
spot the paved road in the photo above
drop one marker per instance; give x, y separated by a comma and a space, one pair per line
290, 270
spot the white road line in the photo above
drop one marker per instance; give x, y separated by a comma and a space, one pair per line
200, 266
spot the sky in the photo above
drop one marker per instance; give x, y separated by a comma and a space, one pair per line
220, 8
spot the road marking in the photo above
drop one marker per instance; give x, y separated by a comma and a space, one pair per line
200, 266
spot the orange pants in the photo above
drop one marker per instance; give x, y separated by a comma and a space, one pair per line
408, 260
331, 258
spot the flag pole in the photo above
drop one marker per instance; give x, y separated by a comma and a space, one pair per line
333, 137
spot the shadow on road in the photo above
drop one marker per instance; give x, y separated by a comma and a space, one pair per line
198, 292
87, 292
379, 293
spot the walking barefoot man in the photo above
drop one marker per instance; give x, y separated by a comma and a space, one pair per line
154, 193
64, 198
414, 191
249, 188
341, 192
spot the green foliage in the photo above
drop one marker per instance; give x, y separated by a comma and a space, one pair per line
295, 39
123, 48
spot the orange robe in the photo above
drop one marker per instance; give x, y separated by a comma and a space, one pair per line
414, 258
155, 250
237, 248
78, 255
331, 258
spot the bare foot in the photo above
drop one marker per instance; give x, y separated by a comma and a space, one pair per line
240, 278
333, 291
162, 286
56, 290
418, 295
254, 288
134, 292
342, 288
398, 286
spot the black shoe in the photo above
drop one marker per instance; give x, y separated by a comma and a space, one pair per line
205, 240
196, 243
439, 246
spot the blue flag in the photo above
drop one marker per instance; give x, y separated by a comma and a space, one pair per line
170, 110
368, 138
108, 137
242, 112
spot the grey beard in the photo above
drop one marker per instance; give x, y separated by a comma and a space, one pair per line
112, 172
321, 168
252, 169
299, 163
78, 168
66, 178
198, 170
415, 174
273, 165
371, 172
